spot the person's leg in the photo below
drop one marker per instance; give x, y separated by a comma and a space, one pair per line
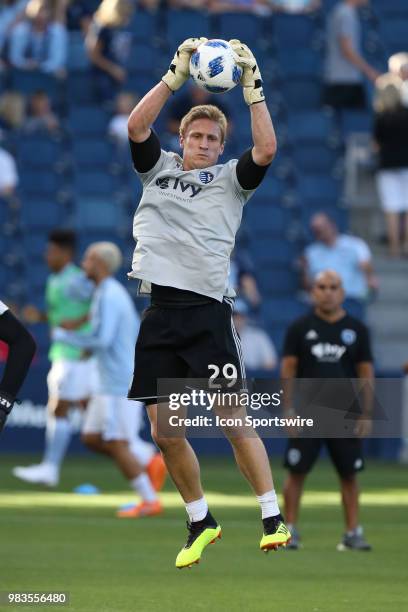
180, 459
405, 232
349, 495
292, 493
392, 223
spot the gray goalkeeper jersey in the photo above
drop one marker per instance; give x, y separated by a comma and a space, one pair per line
185, 226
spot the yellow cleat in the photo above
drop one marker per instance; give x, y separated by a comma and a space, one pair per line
199, 537
276, 534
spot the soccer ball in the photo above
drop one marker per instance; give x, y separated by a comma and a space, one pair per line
213, 66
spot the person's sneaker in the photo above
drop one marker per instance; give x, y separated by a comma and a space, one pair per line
354, 540
294, 542
157, 471
41, 473
275, 534
140, 510
201, 533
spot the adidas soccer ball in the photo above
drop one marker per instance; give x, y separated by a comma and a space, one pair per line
213, 66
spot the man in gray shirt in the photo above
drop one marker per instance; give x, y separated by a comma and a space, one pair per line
185, 228
345, 67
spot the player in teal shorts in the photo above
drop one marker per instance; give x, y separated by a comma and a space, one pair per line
72, 378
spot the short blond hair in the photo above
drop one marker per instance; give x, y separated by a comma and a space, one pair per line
387, 92
109, 253
205, 111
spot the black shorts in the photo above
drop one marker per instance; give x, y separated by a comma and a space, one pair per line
181, 343
345, 453
351, 96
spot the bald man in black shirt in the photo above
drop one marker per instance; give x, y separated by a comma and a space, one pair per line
327, 343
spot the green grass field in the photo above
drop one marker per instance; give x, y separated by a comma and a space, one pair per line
61, 541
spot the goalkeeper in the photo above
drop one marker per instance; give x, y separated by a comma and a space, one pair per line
21, 351
185, 228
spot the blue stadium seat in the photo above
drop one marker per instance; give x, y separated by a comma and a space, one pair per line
40, 182
310, 126
270, 191
41, 214
34, 244
355, 121
38, 152
244, 26
142, 58
278, 280
94, 183
92, 152
41, 333
302, 93
269, 252
269, 220
339, 215
295, 30
295, 62
394, 33
140, 83
391, 7
314, 157
88, 120
144, 26
79, 88
77, 56
179, 22
282, 311
27, 82
315, 189
97, 214
37, 274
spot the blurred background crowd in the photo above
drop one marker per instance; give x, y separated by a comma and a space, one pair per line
336, 81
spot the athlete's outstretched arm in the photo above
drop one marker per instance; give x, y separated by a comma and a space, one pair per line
149, 107
263, 133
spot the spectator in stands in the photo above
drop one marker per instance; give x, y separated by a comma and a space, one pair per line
8, 174
41, 119
295, 6
259, 7
109, 45
345, 66
12, 111
398, 64
257, 348
194, 96
347, 255
40, 42
242, 279
391, 138
118, 129
10, 12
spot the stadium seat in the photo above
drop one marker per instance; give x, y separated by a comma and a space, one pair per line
34, 244
38, 152
41, 182
270, 191
390, 7
355, 121
314, 157
267, 252
281, 311
77, 56
140, 83
244, 26
88, 120
41, 214
267, 220
37, 274
340, 216
179, 22
144, 26
27, 82
142, 58
295, 30
315, 189
278, 280
302, 93
79, 88
92, 153
310, 126
94, 183
97, 214
393, 32
295, 62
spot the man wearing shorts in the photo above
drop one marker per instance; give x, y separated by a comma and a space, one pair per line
185, 228
327, 343
112, 422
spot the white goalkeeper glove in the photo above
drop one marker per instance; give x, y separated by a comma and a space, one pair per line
179, 69
251, 79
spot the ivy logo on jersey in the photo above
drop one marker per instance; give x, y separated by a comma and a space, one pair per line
326, 352
205, 177
176, 184
348, 336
